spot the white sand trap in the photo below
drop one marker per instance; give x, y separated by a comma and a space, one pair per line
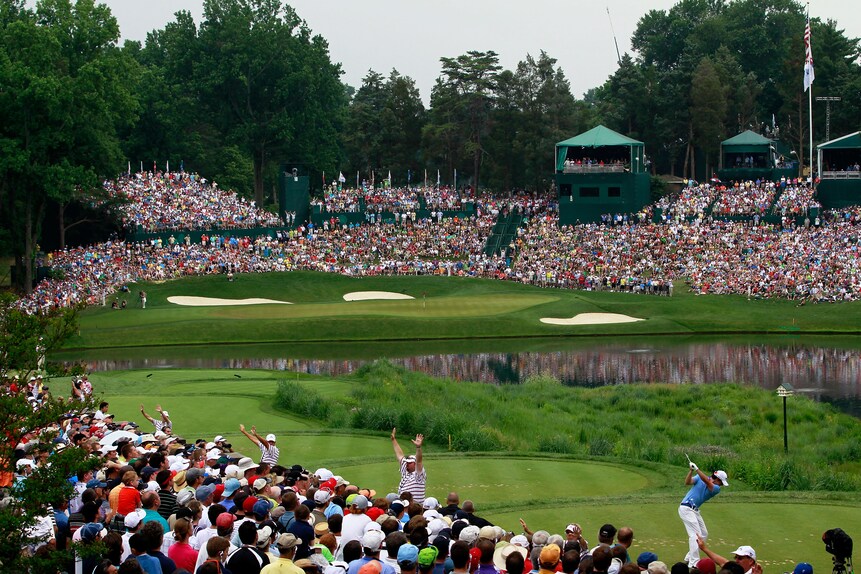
592, 319
372, 295
214, 301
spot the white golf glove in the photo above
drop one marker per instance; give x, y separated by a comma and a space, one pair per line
694, 467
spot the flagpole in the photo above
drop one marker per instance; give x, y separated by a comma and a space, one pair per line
810, 117
808, 86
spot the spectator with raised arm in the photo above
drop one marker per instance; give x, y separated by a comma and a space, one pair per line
162, 424
268, 451
413, 475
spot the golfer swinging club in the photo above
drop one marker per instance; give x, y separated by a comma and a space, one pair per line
703, 489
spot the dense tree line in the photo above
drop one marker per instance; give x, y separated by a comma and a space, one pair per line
250, 86
706, 70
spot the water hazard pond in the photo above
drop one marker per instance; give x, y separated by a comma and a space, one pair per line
825, 368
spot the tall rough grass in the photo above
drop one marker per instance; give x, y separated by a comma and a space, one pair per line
732, 427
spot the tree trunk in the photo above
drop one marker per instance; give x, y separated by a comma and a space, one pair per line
687, 160
259, 163
27, 257
61, 220
476, 162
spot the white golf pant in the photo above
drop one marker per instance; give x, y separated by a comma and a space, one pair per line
694, 526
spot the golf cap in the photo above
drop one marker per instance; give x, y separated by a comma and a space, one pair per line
231, 485
324, 474
408, 553
803, 568
204, 492
608, 531
549, 555
373, 540
270, 437
409, 458
261, 508
218, 439
134, 518
322, 496
707, 566
287, 541
646, 558
469, 534
91, 530
745, 551
263, 536
427, 555
488, 532
430, 503
722, 476
360, 502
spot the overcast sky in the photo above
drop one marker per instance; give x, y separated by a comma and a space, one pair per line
412, 35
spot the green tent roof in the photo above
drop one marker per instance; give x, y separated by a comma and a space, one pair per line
746, 138
599, 136
850, 141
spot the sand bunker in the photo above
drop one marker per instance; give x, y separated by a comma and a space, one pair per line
592, 319
214, 301
372, 295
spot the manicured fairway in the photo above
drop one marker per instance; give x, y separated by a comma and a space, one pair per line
442, 308
205, 402
492, 481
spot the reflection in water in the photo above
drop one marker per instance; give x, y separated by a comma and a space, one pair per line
825, 373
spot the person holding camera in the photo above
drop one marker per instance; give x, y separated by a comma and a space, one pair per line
703, 488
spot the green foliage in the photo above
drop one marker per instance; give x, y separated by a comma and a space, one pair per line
26, 338
66, 91
384, 127
719, 426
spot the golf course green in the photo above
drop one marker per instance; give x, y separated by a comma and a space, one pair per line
442, 308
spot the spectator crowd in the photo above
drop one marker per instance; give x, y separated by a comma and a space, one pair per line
174, 201
817, 261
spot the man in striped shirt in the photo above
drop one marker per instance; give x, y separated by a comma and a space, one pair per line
268, 451
163, 424
413, 475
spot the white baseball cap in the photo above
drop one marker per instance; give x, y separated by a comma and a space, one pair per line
270, 437
745, 551
134, 518
722, 476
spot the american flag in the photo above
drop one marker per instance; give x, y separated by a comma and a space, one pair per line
809, 76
